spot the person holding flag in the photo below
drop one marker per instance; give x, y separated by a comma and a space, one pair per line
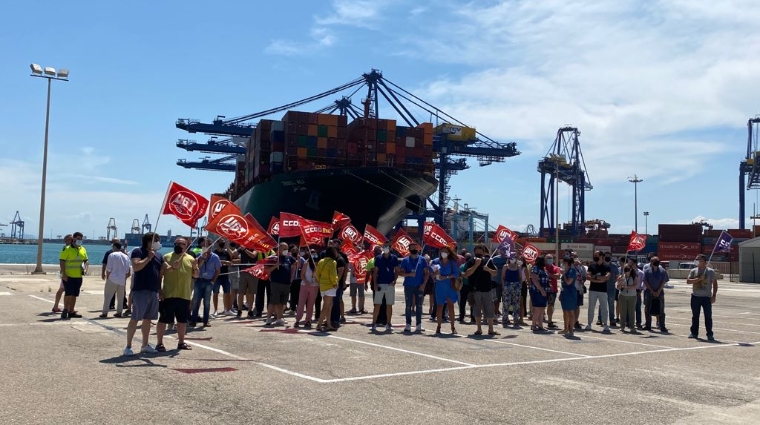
704, 292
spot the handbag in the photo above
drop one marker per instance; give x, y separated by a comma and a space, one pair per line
458, 282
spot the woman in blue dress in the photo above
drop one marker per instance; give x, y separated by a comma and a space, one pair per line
539, 289
446, 272
569, 295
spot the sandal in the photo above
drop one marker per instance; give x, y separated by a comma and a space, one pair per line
438, 330
160, 348
493, 333
454, 332
478, 333
183, 346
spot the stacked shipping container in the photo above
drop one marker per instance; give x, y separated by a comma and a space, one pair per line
308, 141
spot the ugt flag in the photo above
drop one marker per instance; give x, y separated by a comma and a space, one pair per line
723, 244
184, 204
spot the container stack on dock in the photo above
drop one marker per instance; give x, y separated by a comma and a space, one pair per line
310, 141
679, 242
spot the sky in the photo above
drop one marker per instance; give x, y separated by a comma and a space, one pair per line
659, 89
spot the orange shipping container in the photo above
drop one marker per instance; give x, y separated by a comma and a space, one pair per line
391, 127
313, 130
322, 143
302, 152
323, 119
390, 147
427, 128
381, 158
332, 120
332, 132
427, 140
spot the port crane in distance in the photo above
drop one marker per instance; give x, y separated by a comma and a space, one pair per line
749, 167
564, 162
451, 155
17, 227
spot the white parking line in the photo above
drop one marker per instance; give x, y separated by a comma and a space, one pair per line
498, 341
43, 299
395, 349
717, 329
621, 341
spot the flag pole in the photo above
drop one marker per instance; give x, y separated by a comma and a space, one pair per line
714, 246
163, 206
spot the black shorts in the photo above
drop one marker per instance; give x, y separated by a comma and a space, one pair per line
551, 298
72, 286
174, 308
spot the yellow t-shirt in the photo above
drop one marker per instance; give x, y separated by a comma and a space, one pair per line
327, 274
179, 283
74, 257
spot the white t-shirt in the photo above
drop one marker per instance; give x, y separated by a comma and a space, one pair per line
118, 266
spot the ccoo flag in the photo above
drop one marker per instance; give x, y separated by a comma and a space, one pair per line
723, 244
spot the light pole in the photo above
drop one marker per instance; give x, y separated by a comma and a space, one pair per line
635, 180
50, 74
646, 222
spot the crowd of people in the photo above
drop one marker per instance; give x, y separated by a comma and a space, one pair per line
310, 285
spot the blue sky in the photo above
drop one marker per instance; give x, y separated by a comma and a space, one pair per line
658, 89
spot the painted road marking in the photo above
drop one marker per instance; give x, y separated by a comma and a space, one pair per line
396, 349
621, 341
6, 293
207, 370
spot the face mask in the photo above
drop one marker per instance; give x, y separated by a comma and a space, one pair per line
386, 250
413, 252
78, 242
596, 259
519, 263
656, 263
178, 249
607, 259
444, 254
315, 257
512, 261
156, 246
203, 250
550, 261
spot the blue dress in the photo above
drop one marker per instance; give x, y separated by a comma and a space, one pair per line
569, 295
538, 299
443, 288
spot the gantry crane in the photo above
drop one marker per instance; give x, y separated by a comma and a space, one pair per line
146, 226
111, 227
564, 161
749, 166
135, 226
17, 227
452, 153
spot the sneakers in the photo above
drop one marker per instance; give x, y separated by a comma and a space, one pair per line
353, 311
419, 328
374, 328
215, 314
588, 327
251, 314
711, 338
692, 336
280, 322
239, 314
268, 322
388, 328
606, 330
128, 352
408, 327
103, 316
74, 315
148, 350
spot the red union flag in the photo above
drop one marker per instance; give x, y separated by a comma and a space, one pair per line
314, 232
503, 232
637, 242
340, 220
290, 225
348, 248
259, 271
350, 233
274, 227
401, 242
433, 235
359, 263
264, 242
244, 230
373, 236
218, 203
530, 253
184, 204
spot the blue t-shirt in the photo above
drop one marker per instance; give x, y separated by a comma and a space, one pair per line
386, 268
149, 278
209, 267
573, 274
498, 262
614, 273
418, 265
282, 274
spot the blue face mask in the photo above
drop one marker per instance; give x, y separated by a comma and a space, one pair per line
550, 261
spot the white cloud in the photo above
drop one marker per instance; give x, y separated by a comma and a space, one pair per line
358, 13
636, 78
720, 223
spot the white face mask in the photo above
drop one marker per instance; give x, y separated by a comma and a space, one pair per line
386, 250
156, 246
512, 261
444, 254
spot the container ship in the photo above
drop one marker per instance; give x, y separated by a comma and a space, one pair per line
313, 164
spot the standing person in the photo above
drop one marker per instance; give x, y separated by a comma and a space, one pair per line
628, 281
464, 293
498, 262
308, 293
117, 273
147, 263
232, 250
480, 276
280, 278
525, 274
210, 266
381, 319
327, 276
384, 279
112, 304
539, 293
414, 270
512, 276
612, 292
445, 272
66, 242
704, 292
639, 291
248, 283
74, 265
598, 274
177, 272
337, 315
356, 289
655, 278
555, 274
264, 287
299, 259
223, 280
580, 286
569, 295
